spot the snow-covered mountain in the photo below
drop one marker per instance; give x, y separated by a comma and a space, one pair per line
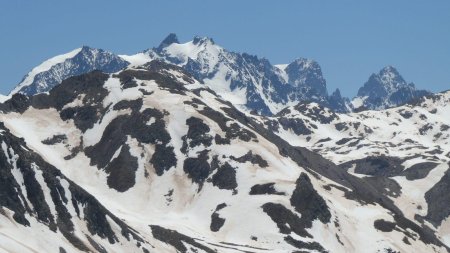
79, 61
386, 89
149, 159
245, 80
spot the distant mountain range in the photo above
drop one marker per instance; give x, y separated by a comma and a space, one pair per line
245, 80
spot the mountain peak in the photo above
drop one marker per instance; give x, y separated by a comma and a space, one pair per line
203, 40
389, 69
305, 62
79, 61
86, 48
169, 40
387, 89
390, 75
336, 93
306, 75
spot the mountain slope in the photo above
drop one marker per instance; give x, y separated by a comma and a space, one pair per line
189, 172
404, 150
41, 210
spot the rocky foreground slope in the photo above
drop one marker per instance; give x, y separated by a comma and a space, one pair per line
148, 159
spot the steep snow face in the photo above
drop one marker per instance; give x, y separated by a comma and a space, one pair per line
45, 66
188, 172
3, 98
386, 89
79, 61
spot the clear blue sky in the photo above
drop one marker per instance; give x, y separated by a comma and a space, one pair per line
349, 39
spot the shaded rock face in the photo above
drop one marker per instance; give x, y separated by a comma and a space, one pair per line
339, 103
261, 189
169, 40
437, 199
308, 202
216, 221
179, 241
306, 77
86, 60
388, 89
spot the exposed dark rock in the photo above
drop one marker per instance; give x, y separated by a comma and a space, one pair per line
261, 189
286, 220
444, 127
197, 168
122, 170
169, 40
383, 225
58, 138
437, 199
177, 240
341, 126
343, 141
386, 186
235, 130
98, 247
424, 129
216, 222
297, 125
231, 132
221, 206
252, 158
135, 125
163, 159
134, 105
225, 177
308, 202
88, 87
197, 134
406, 114
272, 125
84, 117
305, 245
17, 103
419, 170
384, 166
220, 140
90, 84
323, 140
